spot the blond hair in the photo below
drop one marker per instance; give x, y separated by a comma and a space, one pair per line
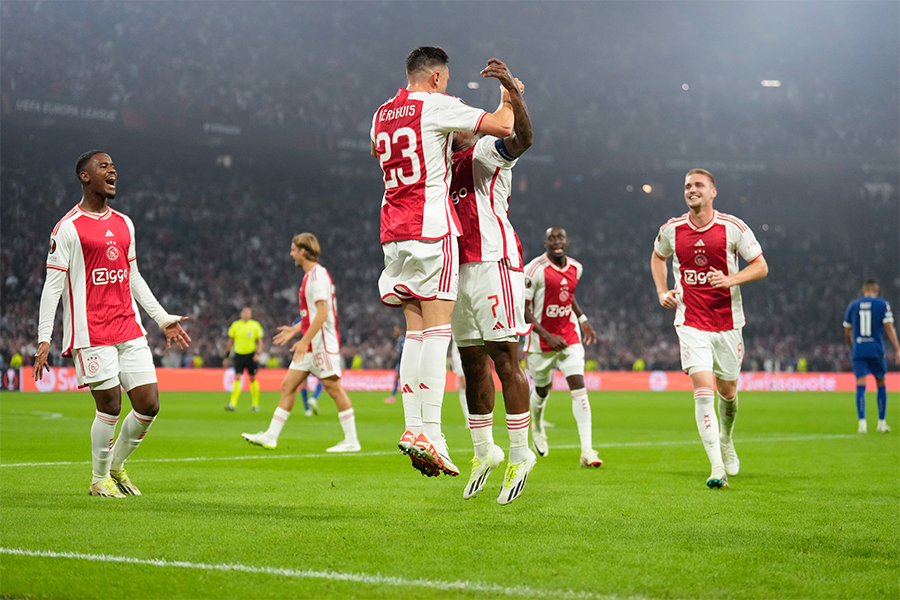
702, 172
308, 242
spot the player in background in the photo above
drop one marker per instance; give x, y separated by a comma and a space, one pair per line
401, 340
410, 137
310, 405
556, 342
457, 369
489, 314
704, 244
92, 264
318, 351
866, 321
245, 335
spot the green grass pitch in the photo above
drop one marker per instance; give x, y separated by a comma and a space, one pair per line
813, 513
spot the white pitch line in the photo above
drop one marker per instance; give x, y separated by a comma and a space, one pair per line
436, 584
798, 438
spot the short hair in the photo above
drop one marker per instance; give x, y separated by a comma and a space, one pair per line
702, 172
308, 242
425, 57
83, 161
870, 283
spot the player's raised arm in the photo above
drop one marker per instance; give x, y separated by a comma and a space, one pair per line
522, 137
499, 123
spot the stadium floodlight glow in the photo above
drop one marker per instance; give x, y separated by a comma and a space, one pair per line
685, 87
770, 83
647, 188
474, 85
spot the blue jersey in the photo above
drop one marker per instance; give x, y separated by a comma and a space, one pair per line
867, 316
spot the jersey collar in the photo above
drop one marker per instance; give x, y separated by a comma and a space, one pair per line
705, 227
98, 217
553, 264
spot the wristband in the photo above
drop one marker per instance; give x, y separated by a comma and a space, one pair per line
582, 318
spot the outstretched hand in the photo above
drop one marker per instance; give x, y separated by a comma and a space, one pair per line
497, 69
285, 334
175, 332
590, 336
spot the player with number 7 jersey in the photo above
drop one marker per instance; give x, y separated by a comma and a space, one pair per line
410, 137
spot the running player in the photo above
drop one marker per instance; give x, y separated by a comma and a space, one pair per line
410, 137
550, 282
489, 315
709, 316
866, 321
318, 351
92, 264
245, 335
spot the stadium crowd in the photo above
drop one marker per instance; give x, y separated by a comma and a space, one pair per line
232, 65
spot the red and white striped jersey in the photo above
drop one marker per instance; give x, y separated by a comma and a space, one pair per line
696, 250
318, 287
550, 290
480, 191
95, 251
411, 133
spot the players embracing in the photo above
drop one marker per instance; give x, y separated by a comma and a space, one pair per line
410, 137
489, 313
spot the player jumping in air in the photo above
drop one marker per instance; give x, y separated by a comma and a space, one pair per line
411, 138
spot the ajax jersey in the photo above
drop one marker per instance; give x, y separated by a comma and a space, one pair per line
411, 133
480, 191
95, 251
318, 287
550, 290
696, 250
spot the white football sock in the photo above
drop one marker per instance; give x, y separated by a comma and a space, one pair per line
517, 426
433, 378
707, 424
134, 427
537, 403
728, 408
103, 433
409, 381
348, 424
482, 429
464, 405
581, 408
278, 420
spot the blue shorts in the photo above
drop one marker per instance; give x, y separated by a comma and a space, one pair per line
873, 365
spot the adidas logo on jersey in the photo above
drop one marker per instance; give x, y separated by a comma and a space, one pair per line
498, 326
699, 243
563, 282
109, 233
406, 389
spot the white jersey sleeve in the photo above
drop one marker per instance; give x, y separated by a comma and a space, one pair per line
747, 246
487, 154
452, 114
664, 245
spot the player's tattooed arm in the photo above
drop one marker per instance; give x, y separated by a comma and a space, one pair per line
522, 136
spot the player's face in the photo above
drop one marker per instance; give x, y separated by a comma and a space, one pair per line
296, 253
246, 314
556, 242
100, 175
698, 191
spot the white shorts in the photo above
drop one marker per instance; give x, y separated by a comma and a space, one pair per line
721, 352
570, 361
322, 364
491, 304
419, 269
129, 364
